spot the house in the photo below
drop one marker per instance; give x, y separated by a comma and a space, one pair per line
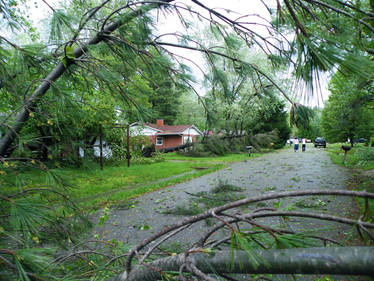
166, 136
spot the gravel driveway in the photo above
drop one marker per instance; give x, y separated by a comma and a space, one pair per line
284, 170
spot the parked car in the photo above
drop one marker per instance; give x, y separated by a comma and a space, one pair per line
360, 140
320, 142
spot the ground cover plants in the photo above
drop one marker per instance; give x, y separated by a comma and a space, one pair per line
360, 160
359, 156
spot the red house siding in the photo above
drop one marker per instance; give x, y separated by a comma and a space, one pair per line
167, 141
170, 141
171, 135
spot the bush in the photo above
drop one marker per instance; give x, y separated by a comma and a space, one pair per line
137, 158
364, 155
118, 152
216, 146
198, 150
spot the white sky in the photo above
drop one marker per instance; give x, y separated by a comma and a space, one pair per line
38, 11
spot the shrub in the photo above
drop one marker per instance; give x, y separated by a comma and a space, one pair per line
216, 146
364, 155
118, 152
137, 158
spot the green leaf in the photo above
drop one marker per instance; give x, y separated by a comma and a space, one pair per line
64, 61
69, 52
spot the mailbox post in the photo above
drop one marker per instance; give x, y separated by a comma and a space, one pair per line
249, 150
346, 149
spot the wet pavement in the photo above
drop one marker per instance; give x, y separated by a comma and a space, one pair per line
283, 170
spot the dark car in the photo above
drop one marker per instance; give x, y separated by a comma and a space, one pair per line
320, 142
360, 140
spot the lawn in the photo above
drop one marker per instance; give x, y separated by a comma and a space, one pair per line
362, 178
229, 158
336, 153
92, 188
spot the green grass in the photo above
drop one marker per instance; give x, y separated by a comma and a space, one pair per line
94, 187
336, 154
130, 192
361, 181
117, 177
366, 183
229, 158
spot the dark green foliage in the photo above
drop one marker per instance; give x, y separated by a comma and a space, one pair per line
34, 216
348, 112
365, 155
300, 116
225, 187
216, 146
298, 240
273, 119
314, 129
265, 140
165, 98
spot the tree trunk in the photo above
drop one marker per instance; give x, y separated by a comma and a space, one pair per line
340, 260
56, 73
351, 141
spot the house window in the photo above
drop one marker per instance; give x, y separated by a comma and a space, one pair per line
187, 139
159, 141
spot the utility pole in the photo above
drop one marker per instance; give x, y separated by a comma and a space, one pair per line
101, 147
128, 156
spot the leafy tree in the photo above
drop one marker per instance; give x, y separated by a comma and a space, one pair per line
165, 98
270, 116
347, 113
191, 111
239, 102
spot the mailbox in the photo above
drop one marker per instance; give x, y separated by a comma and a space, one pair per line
249, 150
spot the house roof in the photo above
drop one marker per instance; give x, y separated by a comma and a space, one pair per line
169, 129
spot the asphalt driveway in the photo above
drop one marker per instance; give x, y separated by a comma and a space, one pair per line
284, 170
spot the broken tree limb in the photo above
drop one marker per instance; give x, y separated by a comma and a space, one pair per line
330, 260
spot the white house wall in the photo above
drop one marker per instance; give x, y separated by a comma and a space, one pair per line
191, 131
107, 151
142, 131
